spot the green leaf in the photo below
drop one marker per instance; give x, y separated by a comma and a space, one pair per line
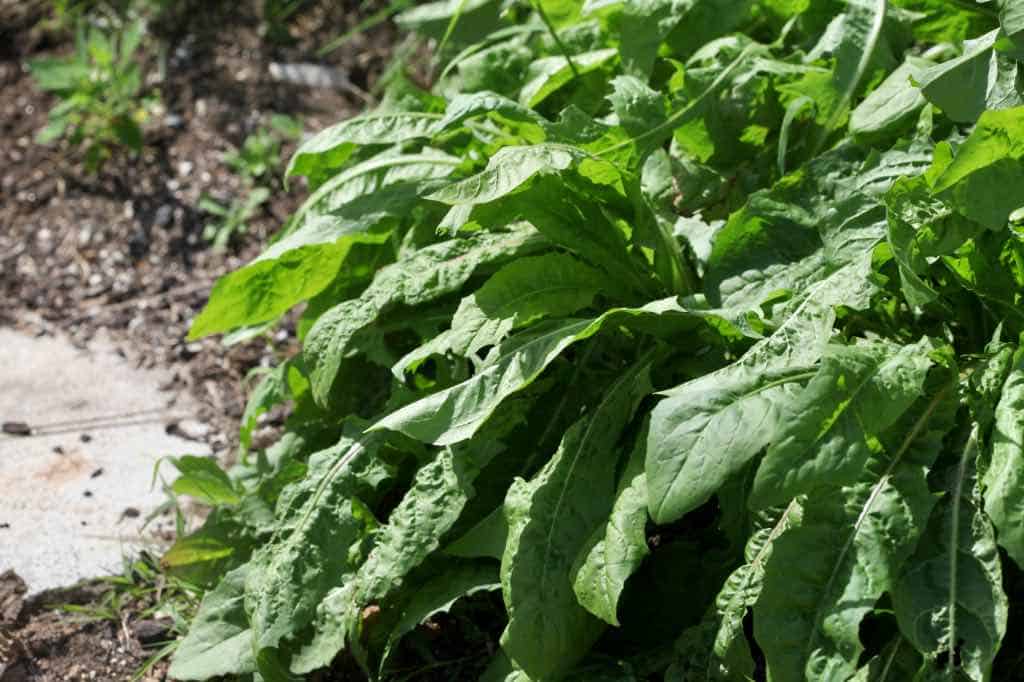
456, 413
550, 519
949, 601
707, 429
920, 228
577, 222
58, 75
547, 75
331, 147
1011, 18
508, 170
267, 288
741, 591
829, 431
337, 217
891, 108
814, 224
616, 549
203, 480
521, 293
323, 521
985, 181
219, 641
644, 24
272, 390
1002, 482
424, 276
431, 506
639, 110
980, 79
826, 573
860, 28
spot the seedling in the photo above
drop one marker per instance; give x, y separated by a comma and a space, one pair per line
230, 219
102, 105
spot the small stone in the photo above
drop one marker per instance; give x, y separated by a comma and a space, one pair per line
17, 429
151, 631
189, 429
164, 215
85, 438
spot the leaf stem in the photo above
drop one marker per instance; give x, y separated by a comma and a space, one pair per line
554, 35
862, 66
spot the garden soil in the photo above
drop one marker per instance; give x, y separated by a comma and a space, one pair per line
118, 258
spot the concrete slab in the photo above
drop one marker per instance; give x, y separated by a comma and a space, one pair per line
74, 493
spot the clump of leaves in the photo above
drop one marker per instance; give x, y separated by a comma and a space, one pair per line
692, 328
102, 101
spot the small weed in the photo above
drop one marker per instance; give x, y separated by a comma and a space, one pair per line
230, 219
101, 91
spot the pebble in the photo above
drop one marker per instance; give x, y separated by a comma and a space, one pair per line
189, 429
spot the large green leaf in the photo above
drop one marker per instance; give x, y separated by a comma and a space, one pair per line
644, 24
270, 286
304, 262
548, 74
1004, 501
815, 223
981, 78
511, 167
707, 429
615, 549
891, 108
826, 573
985, 180
522, 292
731, 656
219, 641
949, 601
456, 413
830, 430
550, 519
323, 520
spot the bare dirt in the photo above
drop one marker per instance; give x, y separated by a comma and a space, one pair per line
123, 252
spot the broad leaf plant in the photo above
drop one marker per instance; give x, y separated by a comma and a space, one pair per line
688, 330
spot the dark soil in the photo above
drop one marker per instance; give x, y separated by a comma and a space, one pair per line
122, 251
41, 641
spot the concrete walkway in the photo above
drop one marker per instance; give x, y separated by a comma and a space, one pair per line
75, 493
